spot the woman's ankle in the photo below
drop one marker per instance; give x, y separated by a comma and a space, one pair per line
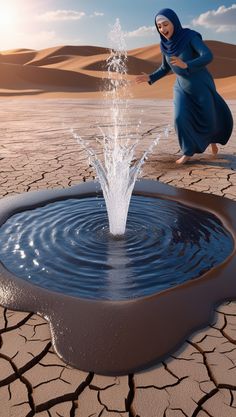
183, 160
214, 148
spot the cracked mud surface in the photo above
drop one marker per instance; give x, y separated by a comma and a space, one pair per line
37, 151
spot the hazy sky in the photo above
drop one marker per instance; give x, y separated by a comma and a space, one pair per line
44, 23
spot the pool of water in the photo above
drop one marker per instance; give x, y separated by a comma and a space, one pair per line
66, 247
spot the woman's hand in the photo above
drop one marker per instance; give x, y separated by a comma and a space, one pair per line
175, 60
143, 78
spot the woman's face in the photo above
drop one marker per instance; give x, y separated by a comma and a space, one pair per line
166, 29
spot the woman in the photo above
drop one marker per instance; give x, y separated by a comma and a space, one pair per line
202, 117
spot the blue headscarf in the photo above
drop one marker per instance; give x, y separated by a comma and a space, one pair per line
180, 37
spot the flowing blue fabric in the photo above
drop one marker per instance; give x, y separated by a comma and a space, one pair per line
202, 116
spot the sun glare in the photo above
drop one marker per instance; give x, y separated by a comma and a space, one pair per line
8, 23
7, 15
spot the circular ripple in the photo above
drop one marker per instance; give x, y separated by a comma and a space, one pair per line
66, 247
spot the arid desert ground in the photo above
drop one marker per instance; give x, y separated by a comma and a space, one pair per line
37, 151
43, 94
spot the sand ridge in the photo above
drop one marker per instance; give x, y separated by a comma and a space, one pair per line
67, 70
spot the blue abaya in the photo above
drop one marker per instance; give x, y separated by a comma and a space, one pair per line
201, 115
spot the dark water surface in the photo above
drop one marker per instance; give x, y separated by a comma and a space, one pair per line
66, 247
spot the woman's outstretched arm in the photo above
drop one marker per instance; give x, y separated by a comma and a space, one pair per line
156, 75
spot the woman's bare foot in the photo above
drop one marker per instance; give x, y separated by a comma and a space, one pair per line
182, 160
214, 149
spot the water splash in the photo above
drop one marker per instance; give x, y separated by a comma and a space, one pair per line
119, 139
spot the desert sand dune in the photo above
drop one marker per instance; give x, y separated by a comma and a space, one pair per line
52, 60
70, 62
222, 48
17, 57
134, 65
13, 76
78, 70
69, 50
227, 86
151, 53
45, 54
12, 51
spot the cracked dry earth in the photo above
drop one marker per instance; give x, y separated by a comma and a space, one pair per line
38, 151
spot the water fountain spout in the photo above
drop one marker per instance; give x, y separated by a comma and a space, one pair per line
116, 173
